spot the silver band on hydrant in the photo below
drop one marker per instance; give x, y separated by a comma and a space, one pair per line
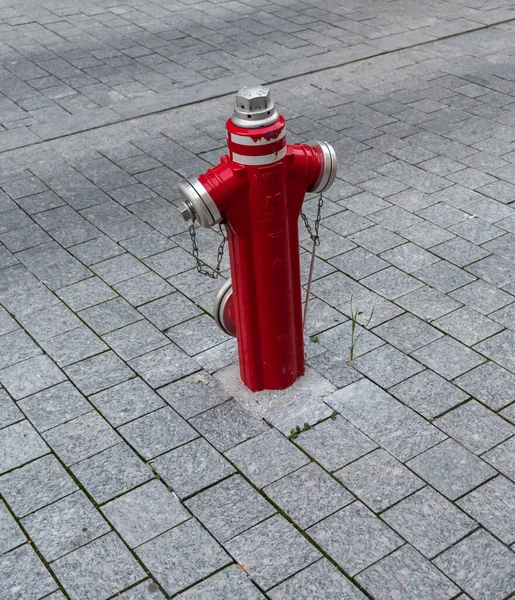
329, 167
198, 204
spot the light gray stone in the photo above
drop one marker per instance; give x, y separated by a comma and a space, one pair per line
164, 365
407, 333
467, 326
23, 575
19, 444
9, 412
10, 533
229, 584
448, 357
502, 458
387, 366
500, 348
303, 410
98, 373
30, 376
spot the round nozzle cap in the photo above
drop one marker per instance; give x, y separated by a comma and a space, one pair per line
254, 107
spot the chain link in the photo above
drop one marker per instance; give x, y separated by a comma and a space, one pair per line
315, 237
209, 271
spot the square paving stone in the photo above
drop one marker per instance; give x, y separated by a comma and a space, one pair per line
228, 424
308, 495
86, 293
408, 575
502, 458
144, 288
182, 556
391, 283
428, 394
444, 276
20, 443
500, 348
111, 472
23, 575
481, 566
110, 315
229, 508
494, 270
272, 551
120, 268
197, 335
335, 443
30, 376
171, 262
9, 412
55, 406
81, 438
354, 538
99, 569
460, 252
37, 484
229, 584
127, 401
10, 533
448, 357
467, 326
493, 505
482, 297
407, 333
379, 480
73, 346
135, 339
16, 346
98, 373
320, 581
387, 366
145, 513
306, 409
164, 365
192, 467
339, 339
475, 426
505, 316
266, 457
395, 427
429, 522
451, 469
428, 303
65, 525
157, 432
49, 322
409, 257
358, 263
376, 239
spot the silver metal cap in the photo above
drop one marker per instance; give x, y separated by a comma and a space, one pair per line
197, 203
254, 107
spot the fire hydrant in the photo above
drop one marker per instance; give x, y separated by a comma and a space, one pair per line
257, 191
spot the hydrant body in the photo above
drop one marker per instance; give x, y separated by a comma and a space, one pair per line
258, 191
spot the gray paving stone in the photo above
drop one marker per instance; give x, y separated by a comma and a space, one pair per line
99, 569
305, 409
228, 424
49, 322
409, 257
142, 289
272, 551
502, 458
54, 406
500, 348
398, 429
7, 323
505, 316
229, 508
171, 262
64, 526
319, 581
19, 444
492, 505
391, 283
164, 365
218, 357
230, 584
387, 366
354, 538
9, 412
81, 438
135, 339
147, 590
339, 340
407, 333
476, 427
358, 263
406, 574
10, 533
197, 335
192, 467
467, 325
73, 346
335, 368
16, 346
376, 239
126, 401
118, 269
308, 495
335, 443
379, 480
111, 472
476, 231
23, 575
266, 458
451, 469
86, 293
182, 556
428, 394
30, 376
145, 513
444, 276
157, 432
97, 250
448, 357
428, 303
429, 522
108, 316
194, 394
482, 297
481, 566
98, 373
146, 244
460, 252
427, 235
502, 246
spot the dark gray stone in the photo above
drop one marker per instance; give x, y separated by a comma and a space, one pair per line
145, 288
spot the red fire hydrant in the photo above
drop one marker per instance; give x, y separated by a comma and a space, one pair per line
257, 191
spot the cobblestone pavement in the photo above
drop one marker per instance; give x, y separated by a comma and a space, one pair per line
132, 465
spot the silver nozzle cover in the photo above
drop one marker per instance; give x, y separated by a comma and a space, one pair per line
254, 107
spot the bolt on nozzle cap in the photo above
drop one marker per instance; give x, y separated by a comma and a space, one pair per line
254, 107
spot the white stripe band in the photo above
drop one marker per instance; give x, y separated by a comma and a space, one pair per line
245, 140
265, 159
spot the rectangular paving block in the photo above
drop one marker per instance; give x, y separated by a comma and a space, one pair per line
467, 326
73, 346
230, 584
502, 457
110, 315
164, 365
135, 339
19, 444
9, 412
448, 357
387, 366
98, 373
500, 348
22, 574
10, 533
30, 376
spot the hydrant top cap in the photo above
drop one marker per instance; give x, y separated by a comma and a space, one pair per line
253, 107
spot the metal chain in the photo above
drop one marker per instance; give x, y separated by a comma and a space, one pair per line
209, 271
315, 237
